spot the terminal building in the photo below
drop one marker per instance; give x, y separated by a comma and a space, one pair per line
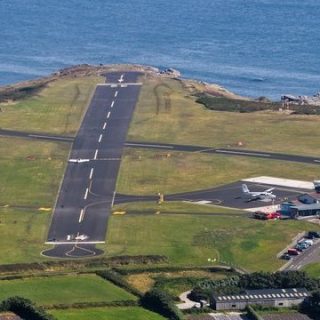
300, 210
265, 297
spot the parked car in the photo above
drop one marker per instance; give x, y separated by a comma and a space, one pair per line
286, 256
301, 246
308, 241
313, 234
293, 252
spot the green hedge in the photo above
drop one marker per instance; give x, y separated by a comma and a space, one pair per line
252, 314
25, 309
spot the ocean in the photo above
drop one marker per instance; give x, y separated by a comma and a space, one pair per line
252, 47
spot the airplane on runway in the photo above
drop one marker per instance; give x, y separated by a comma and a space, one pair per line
265, 195
79, 160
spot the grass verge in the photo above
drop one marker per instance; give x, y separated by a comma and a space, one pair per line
192, 240
64, 289
110, 313
170, 115
149, 172
313, 269
56, 109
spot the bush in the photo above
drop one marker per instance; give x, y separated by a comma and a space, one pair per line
25, 309
252, 314
160, 302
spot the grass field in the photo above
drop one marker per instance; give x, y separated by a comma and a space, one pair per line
30, 171
56, 109
172, 208
150, 172
22, 235
313, 269
64, 289
191, 240
123, 313
181, 120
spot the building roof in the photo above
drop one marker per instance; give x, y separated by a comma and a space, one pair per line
264, 294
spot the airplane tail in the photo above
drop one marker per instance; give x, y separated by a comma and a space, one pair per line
245, 188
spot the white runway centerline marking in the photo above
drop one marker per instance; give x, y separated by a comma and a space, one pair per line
86, 194
95, 154
104, 126
100, 138
112, 104
116, 93
81, 215
108, 115
91, 173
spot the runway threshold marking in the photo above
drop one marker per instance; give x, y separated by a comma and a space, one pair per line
244, 153
100, 138
86, 194
91, 173
104, 126
108, 115
148, 145
81, 216
112, 104
115, 94
96, 154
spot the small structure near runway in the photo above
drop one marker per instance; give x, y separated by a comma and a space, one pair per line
265, 297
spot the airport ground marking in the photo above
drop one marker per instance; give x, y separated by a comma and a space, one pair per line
316, 161
100, 138
115, 94
96, 154
91, 173
108, 115
86, 194
81, 215
104, 126
112, 104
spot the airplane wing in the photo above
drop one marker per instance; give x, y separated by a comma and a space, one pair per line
269, 190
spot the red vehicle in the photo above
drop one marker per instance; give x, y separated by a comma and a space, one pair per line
266, 215
293, 252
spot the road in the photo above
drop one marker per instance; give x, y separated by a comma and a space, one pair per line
310, 255
87, 192
174, 147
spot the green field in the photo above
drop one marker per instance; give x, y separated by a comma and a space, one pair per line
31, 171
191, 239
149, 172
22, 235
57, 109
123, 313
182, 120
313, 269
173, 207
64, 290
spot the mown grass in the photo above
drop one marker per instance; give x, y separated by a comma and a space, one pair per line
57, 109
174, 207
64, 290
150, 172
191, 240
22, 235
187, 122
124, 313
313, 269
30, 171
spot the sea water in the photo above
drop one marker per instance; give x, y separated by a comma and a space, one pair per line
252, 47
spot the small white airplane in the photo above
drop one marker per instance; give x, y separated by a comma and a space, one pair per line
265, 195
121, 79
81, 237
79, 160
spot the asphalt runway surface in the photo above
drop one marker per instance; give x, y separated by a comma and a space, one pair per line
229, 195
87, 192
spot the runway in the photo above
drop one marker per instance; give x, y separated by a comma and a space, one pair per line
87, 192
